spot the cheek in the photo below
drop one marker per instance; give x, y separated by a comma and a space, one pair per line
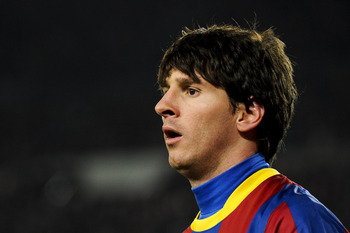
215, 126
209, 122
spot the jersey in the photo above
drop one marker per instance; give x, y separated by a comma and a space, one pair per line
253, 198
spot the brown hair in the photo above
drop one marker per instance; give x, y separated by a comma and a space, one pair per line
245, 63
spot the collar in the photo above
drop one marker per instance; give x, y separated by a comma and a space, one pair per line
212, 195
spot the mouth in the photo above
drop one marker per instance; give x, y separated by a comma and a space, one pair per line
171, 136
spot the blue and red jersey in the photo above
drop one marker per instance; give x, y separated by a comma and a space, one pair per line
253, 198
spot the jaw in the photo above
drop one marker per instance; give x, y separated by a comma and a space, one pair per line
191, 166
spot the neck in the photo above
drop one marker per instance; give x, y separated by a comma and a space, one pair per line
212, 195
226, 163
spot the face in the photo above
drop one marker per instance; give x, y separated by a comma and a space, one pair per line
199, 124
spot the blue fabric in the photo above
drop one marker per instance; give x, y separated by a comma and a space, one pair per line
259, 221
212, 195
308, 213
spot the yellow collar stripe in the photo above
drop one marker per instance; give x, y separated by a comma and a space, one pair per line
241, 192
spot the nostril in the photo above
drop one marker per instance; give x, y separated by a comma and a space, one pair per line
168, 113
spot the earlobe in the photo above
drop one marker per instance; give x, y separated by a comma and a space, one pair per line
249, 119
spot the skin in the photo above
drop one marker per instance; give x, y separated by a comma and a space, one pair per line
203, 134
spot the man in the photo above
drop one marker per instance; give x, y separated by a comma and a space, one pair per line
228, 100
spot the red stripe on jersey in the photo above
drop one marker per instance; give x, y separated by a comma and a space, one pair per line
281, 220
240, 219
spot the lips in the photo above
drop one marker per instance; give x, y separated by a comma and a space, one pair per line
171, 135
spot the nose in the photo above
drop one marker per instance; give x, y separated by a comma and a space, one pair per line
167, 106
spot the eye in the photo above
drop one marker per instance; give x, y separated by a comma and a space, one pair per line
192, 91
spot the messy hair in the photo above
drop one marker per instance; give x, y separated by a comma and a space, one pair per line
245, 64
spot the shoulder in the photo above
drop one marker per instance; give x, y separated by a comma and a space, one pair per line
294, 205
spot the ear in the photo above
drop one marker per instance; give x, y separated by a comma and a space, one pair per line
249, 119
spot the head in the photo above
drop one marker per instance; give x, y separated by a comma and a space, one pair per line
249, 66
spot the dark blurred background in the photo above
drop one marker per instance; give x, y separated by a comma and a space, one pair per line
81, 146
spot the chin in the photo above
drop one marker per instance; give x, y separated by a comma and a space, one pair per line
178, 162
183, 167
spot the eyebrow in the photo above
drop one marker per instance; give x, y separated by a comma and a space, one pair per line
183, 80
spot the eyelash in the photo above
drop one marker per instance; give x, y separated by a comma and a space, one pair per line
192, 90
188, 91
